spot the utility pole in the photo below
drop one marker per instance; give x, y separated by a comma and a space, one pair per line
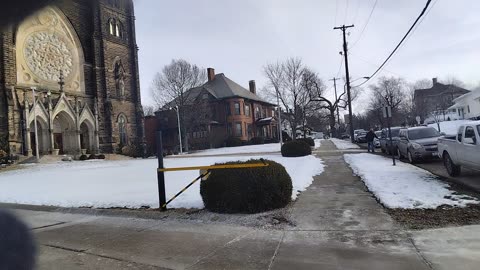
347, 74
336, 98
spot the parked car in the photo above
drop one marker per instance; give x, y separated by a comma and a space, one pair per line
385, 144
344, 136
362, 137
418, 143
356, 132
462, 149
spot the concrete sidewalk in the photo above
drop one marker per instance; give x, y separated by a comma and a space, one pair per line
339, 225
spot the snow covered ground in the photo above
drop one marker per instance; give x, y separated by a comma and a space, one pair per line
248, 149
342, 144
404, 185
127, 183
449, 127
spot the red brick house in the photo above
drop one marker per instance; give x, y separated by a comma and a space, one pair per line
230, 111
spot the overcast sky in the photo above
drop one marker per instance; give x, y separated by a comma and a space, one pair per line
239, 37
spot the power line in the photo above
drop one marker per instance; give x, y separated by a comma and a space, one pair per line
336, 12
366, 24
346, 13
400, 43
421, 21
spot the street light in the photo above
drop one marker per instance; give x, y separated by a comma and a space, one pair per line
179, 129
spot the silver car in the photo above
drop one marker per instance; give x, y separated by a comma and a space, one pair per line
418, 143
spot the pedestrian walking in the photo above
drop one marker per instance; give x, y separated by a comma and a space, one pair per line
370, 138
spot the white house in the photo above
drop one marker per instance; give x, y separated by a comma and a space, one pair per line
468, 105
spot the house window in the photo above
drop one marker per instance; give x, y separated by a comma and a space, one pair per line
257, 112
227, 109
249, 130
264, 113
468, 108
122, 129
229, 129
236, 106
247, 109
238, 129
273, 113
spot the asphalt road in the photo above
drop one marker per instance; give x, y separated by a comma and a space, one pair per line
468, 178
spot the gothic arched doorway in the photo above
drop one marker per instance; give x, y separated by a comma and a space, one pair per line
86, 136
42, 132
65, 134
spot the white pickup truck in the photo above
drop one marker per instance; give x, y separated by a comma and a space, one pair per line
462, 149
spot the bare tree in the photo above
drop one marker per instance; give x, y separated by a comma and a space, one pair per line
171, 89
286, 81
390, 91
149, 110
316, 88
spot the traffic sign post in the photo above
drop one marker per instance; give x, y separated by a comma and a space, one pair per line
387, 113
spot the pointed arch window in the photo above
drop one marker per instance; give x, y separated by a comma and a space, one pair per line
115, 28
112, 26
122, 129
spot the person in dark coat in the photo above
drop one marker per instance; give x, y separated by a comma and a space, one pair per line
370, 138
17, 247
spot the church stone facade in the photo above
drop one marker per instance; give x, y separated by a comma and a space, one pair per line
80, 59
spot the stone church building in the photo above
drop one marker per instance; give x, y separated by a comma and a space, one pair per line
80, 58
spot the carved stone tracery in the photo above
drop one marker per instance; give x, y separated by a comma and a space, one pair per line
46, 54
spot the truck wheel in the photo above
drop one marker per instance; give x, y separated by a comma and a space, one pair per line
411, 159
452, 169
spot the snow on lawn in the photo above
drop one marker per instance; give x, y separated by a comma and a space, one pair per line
247, 149
404, 185
126, 183
342, 144
449, 127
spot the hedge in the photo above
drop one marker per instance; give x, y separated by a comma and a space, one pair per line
233, 141
247, 190
257, 140
309, 141
296, 148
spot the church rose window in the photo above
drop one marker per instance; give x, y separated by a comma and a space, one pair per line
46, 54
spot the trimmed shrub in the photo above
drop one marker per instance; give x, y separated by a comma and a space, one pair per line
247, 190
83, 157
101, 156
286, 137
257, 140
92, 156
233, 141
309, 141
296, 149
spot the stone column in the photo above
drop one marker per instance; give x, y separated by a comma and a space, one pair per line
52, 140
29, 145
79, 142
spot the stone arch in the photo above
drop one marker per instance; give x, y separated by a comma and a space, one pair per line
87, 136
40, 111
49, 36
43, 136
63, 105
65, 134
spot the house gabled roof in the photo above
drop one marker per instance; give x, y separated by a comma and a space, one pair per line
439, 89
221, 87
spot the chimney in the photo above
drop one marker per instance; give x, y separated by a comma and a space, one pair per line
210, 74
434, 81
252, 87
